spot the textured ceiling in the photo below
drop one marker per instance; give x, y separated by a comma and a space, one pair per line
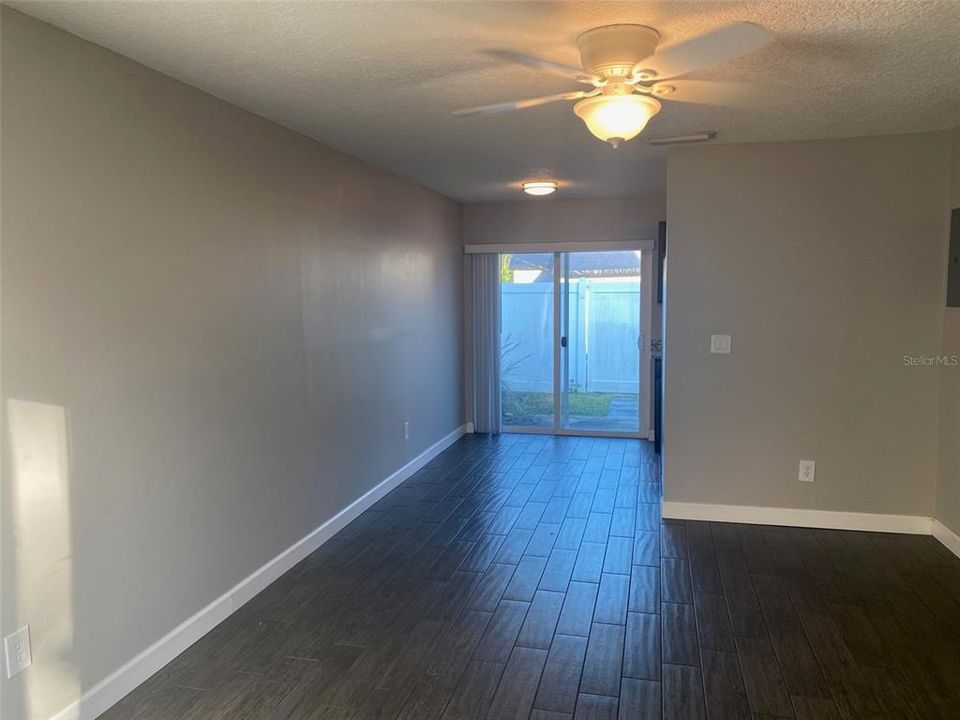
378, 79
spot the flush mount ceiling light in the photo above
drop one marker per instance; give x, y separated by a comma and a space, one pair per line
626, 72
540, 188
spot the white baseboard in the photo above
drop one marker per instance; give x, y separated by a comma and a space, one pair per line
947, 537
469, 427
829, 519
109, 691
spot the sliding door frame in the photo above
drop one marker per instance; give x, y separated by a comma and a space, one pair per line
647, 297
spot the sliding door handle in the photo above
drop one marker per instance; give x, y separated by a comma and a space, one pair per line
563, 341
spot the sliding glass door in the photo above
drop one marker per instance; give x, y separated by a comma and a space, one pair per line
527, 329
601, 340
574, 350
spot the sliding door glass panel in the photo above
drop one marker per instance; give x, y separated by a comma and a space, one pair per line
527, 340
600, 341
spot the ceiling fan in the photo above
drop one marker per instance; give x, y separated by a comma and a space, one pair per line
627, 74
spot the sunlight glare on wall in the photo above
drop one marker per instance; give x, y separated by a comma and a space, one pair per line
40, 497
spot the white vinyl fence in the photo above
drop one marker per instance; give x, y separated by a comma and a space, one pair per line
604, 328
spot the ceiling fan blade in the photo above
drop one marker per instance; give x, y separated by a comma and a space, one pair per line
703, 92
706, 50
520, 104
554, 68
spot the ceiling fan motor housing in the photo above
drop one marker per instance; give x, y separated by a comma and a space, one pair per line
611, 51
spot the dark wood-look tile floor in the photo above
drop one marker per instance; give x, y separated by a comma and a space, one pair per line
528, 576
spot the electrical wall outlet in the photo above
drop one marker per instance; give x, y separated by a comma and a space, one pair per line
720, 344
808, 468
406, 430
16, 650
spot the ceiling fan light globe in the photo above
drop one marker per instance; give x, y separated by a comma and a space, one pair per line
616, 118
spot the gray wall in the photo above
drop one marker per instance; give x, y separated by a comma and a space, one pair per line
213, 330
554, 219
948, 480
826, 262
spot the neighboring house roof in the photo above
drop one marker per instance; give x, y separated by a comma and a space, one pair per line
584, 264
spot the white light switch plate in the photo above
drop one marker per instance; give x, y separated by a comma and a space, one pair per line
720, 344
808, 470
16, 650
